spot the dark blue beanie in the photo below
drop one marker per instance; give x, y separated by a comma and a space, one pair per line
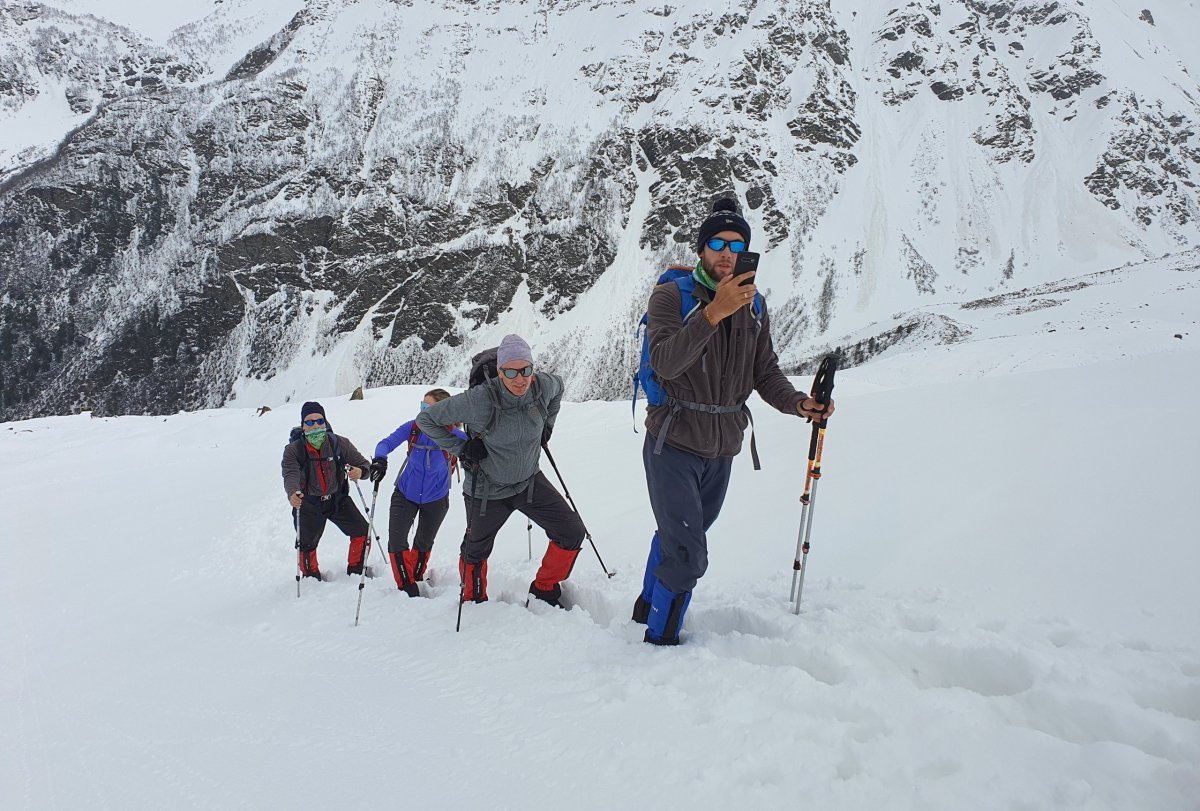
724, 217
312, 407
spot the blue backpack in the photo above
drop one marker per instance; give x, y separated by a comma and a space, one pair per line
689, 305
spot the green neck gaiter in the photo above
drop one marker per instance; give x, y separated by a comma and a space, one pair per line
701, 275
316, 438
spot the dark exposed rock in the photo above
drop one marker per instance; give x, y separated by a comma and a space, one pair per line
917, 330
262, 56
945, 92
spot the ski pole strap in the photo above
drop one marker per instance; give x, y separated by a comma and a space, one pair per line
753, 447
475, 488
633, 404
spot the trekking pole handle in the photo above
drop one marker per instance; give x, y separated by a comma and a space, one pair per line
822, 390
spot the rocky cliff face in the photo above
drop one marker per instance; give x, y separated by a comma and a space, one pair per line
373, 190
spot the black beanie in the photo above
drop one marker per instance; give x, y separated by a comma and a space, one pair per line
312, 407
724, 217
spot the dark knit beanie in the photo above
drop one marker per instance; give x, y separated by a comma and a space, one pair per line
724, 217
312, 407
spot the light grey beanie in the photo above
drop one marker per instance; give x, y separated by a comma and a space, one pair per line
513, 347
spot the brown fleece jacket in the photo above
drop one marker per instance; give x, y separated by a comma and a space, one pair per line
718, 365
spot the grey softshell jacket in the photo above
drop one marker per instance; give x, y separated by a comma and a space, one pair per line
515, 441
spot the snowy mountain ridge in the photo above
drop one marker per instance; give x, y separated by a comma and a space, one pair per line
374, 190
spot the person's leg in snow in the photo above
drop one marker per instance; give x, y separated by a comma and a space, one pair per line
641, 606
477, 543
346, 517
400, 517
312, 526
686, 494
550, 511
429, 521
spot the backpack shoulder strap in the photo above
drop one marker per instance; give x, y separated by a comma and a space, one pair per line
339, 461
538, 391
412, 438
494, 398
689, 305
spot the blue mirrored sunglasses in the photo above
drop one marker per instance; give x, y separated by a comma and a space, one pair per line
737, 245
311, 423
424, 405
512, 373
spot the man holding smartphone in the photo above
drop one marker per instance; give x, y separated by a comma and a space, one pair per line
708, 363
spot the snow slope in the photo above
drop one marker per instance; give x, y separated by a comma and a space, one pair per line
1000, 612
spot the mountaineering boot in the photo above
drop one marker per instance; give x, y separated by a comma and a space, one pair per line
641, 610
641, 606
354, 561
550, 595
666, 615
474, 578
403, 575
308, 564
556, 567
422, 562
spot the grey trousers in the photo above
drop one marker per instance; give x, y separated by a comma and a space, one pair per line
686, 494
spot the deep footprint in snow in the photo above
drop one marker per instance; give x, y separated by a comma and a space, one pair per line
986, 670
1180, 700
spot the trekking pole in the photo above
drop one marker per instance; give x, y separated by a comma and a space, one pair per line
378, 542
822, 393
296, 520
462, 561
462, 590
567, 493
529, 536
362, 577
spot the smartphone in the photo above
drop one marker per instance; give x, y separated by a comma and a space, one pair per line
746, 262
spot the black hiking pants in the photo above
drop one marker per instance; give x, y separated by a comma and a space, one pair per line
340, 509
547, 508
686, 494
400, 519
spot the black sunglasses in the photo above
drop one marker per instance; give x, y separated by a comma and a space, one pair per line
311, 423
512, 373
736, 245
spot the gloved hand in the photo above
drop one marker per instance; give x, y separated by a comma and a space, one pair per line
378, 468
546, 432
473, 452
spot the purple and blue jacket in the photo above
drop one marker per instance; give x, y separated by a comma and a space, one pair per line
426, 476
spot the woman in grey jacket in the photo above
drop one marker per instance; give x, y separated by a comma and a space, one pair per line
508, 418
